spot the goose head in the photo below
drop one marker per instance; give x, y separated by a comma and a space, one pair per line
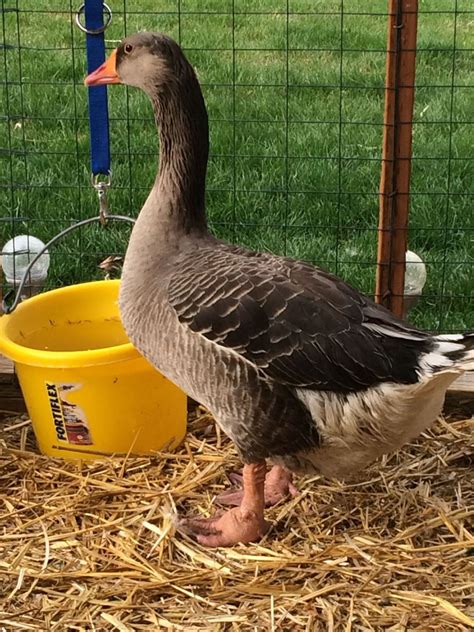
152, 62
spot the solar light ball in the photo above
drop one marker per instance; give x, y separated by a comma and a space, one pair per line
17, 254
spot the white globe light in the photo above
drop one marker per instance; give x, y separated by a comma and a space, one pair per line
16, 256
415, 274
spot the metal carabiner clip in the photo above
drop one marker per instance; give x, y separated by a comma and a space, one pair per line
102, 186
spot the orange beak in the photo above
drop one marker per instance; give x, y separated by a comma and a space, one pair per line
104, 74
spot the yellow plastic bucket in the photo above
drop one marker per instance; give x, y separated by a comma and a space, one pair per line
87, 389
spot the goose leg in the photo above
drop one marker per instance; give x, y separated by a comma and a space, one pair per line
278, 485
241, 524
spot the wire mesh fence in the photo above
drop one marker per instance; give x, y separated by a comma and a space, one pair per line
295, 94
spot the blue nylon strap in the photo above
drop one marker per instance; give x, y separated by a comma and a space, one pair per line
98, 111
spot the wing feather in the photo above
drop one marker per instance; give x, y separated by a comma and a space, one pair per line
297, 324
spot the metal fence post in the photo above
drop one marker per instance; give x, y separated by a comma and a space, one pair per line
396, 154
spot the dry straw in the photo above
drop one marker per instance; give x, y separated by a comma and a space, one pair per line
94, 546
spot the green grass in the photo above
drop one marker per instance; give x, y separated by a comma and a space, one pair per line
299, 171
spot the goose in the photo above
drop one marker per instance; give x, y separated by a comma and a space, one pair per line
298, 368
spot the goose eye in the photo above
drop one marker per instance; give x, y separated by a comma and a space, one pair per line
127, 49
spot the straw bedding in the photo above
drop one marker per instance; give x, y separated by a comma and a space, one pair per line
93, 546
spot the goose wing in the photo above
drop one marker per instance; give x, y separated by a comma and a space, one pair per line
297, 324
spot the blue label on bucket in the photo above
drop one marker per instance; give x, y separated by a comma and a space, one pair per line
69, 419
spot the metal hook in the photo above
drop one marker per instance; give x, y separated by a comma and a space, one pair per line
101, 186
103, 205
101, 29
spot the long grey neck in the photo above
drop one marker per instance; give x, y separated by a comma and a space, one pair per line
184, 146
175, 209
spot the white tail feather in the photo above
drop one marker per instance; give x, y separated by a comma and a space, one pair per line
447, 353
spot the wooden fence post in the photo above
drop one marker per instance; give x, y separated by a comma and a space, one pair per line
396, 155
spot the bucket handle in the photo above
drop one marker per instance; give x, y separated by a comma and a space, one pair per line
8, 309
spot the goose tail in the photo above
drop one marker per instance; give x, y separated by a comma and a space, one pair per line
449, 351
465, 357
